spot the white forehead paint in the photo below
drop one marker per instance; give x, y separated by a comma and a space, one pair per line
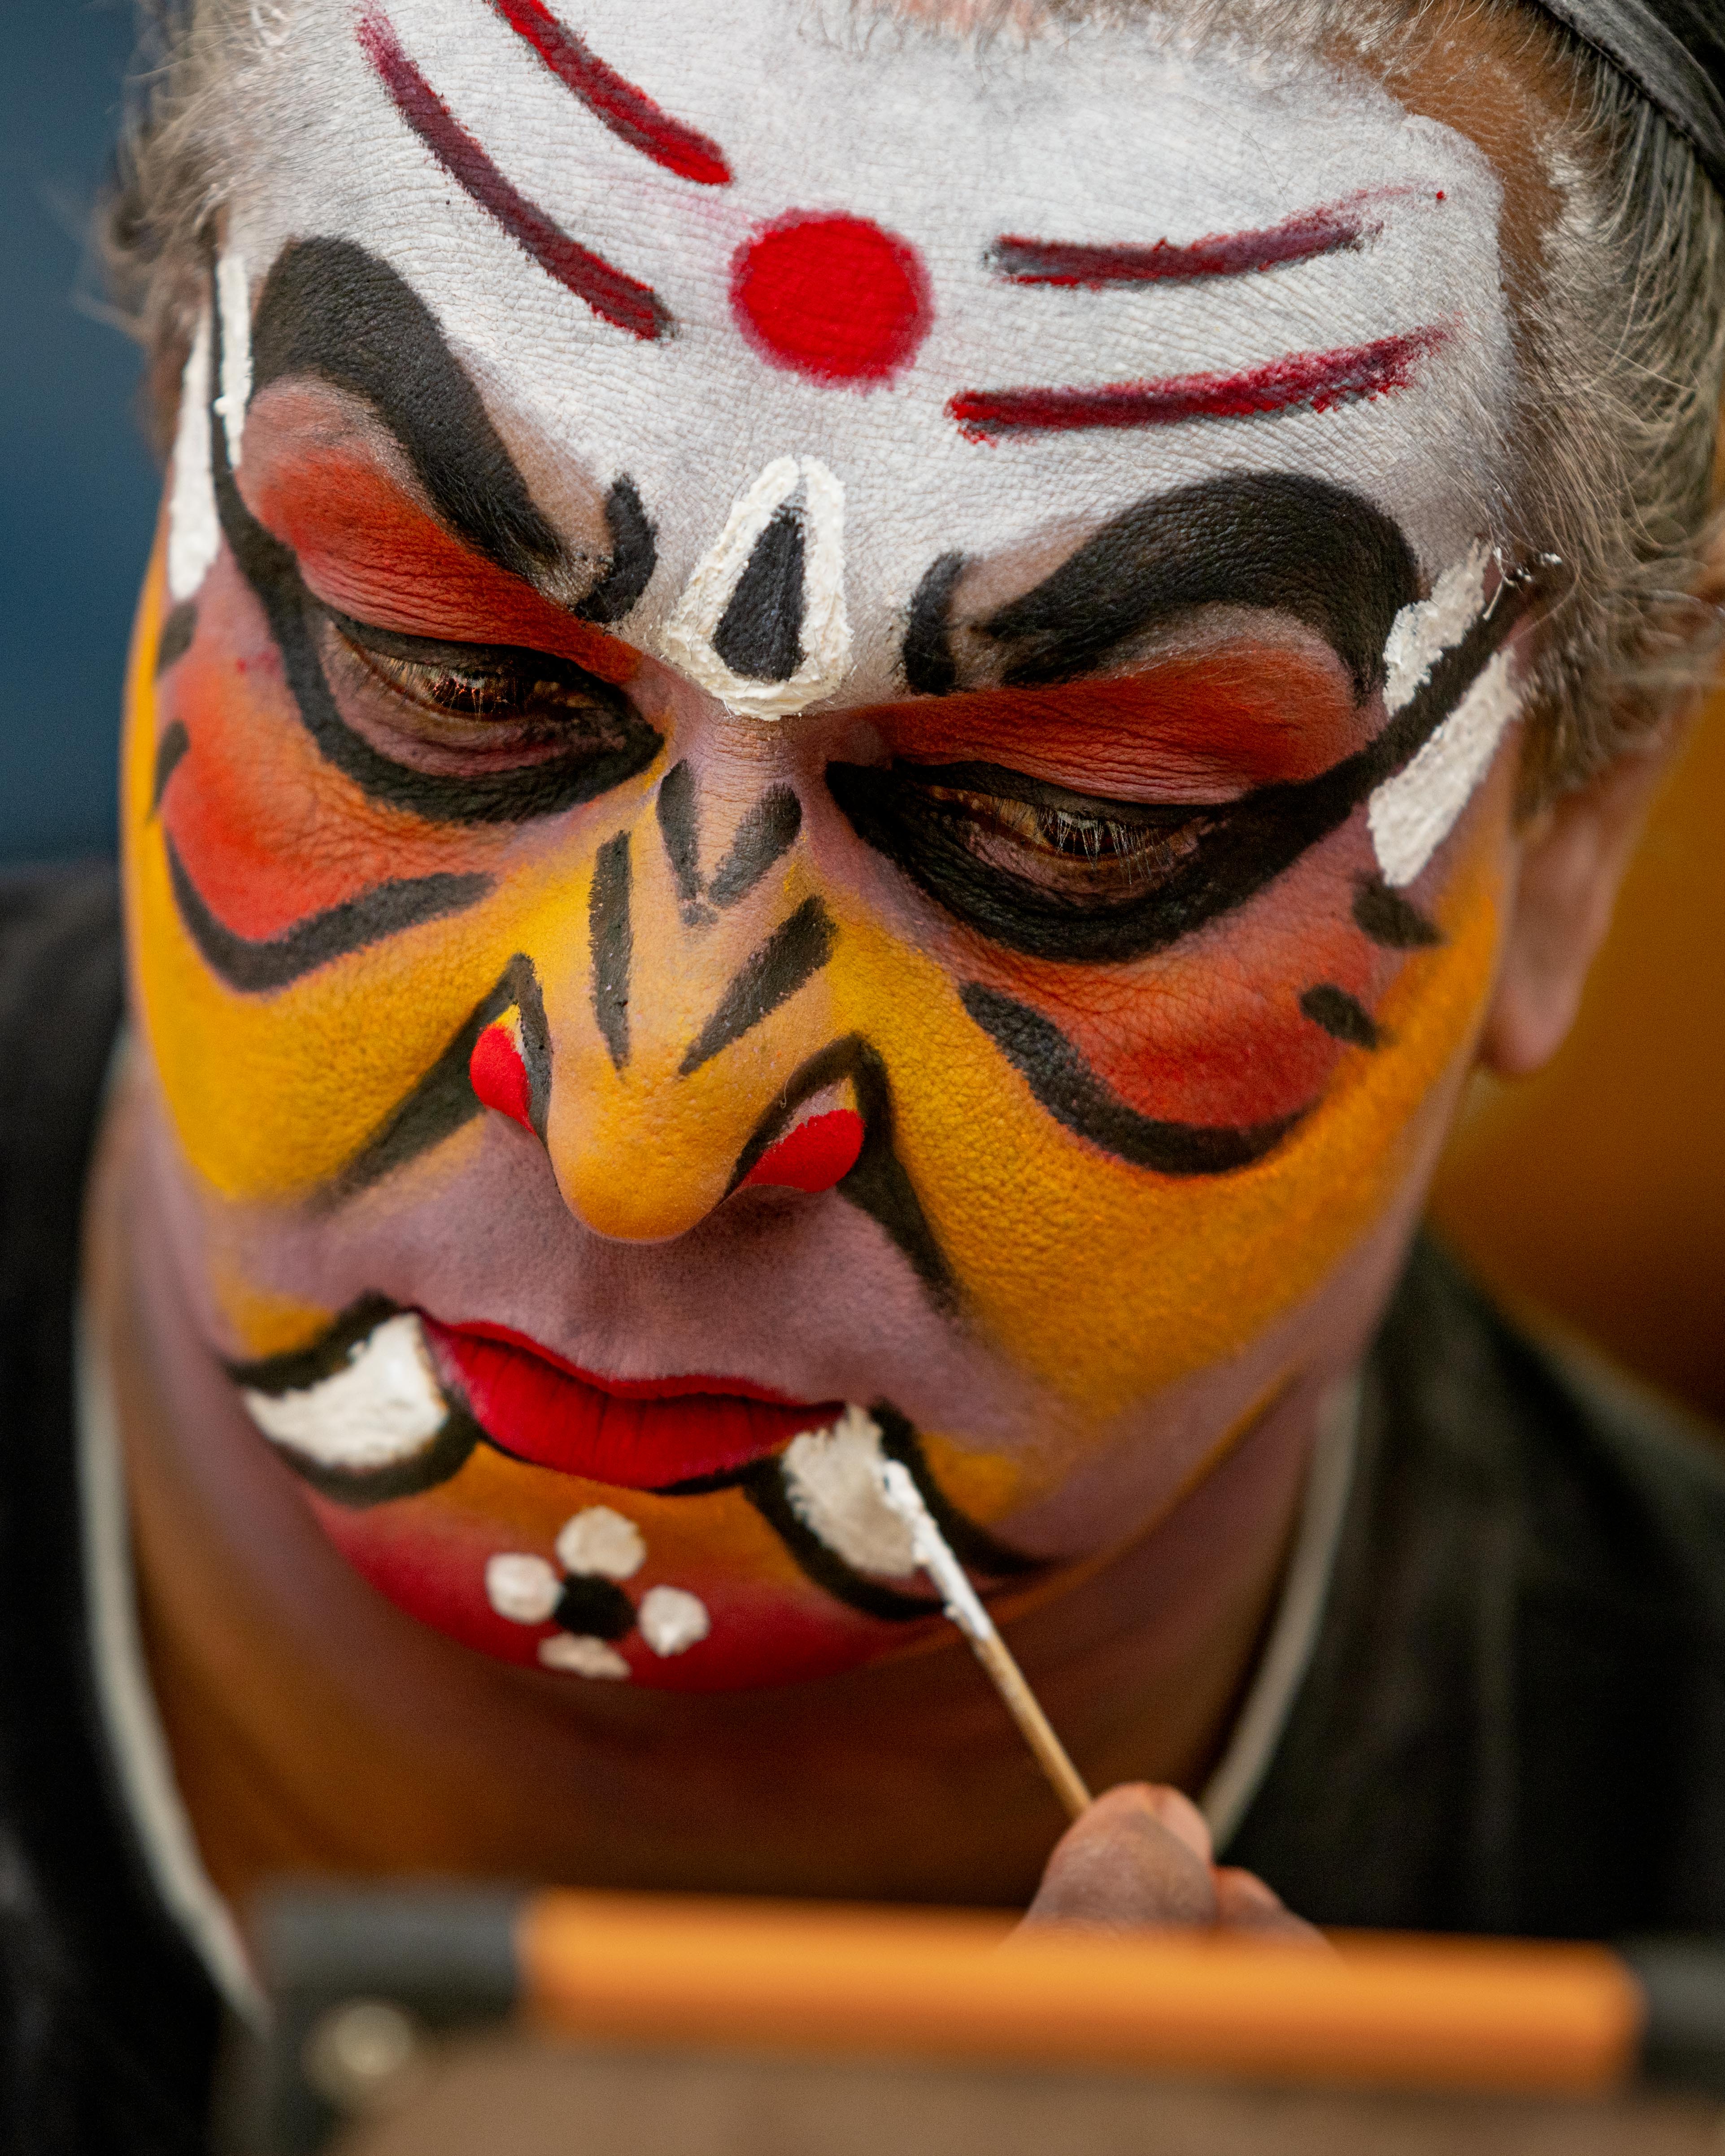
193, 534
1096, 135
598, 1540
384, 1407
797, 496
1411, 814
833, 1480
672, 1620
234, 300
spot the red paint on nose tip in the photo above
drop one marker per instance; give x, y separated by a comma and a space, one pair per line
837, 298
812, 1157
499, 1077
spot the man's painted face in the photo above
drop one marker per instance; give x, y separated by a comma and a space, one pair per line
809, 777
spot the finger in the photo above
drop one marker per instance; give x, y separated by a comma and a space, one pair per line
1244, 1903
1138, 1856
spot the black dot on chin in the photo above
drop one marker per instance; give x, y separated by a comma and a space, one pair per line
598, 1608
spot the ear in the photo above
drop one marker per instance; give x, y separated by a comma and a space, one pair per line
1573, 855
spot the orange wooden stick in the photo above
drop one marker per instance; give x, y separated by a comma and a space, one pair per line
1426, 2013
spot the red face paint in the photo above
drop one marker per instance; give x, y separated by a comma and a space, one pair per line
642, 1434
833, 298
814, 1156
499, 1077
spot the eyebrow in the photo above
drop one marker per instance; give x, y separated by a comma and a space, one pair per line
1329, 230
617, 298
331, 310
1280, 540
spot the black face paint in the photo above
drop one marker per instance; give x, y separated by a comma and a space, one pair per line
929, 667
256, 968
593, 1608
612, 938
1272, 540
169, 751
878, 1184
1342, 1016
760, 633
768, 831
175, 640
634, 556
975, 1549
1065, 1084
544, 788
1391, 920
1217, 857
771, 975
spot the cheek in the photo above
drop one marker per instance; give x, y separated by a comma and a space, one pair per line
276, 1080
1105, 1280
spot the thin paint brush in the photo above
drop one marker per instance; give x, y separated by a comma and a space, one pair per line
965, 1606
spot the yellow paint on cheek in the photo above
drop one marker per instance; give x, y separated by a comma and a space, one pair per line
261, 1322
1107, 1281
986, 1485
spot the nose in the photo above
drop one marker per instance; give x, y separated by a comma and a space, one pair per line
668, 1003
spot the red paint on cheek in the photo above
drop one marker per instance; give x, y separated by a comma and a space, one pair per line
499, 1077
833, 298
813, 1157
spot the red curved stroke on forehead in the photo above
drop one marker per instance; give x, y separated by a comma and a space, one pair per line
1070, 262
622, 300
1316, 381
629, 112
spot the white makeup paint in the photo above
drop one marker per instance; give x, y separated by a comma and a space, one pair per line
523, 1588
1422, 633
581, 1656
598, 1540
193, 534
672, 1620
383, 1408
234, 298
1098, 134
1411, 814
805, 488
833, 1480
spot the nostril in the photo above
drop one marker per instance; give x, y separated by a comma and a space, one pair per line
499, 1077
818, 1154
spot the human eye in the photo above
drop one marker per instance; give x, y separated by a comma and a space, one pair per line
469, 705
1036, 866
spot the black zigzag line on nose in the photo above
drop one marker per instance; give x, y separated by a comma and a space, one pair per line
1065, 1084
771, 975
678, 815
442, 1102
256, 968
611, 936
766, 832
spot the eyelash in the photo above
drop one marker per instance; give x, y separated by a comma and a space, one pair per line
491, 687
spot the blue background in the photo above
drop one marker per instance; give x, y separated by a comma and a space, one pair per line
77, 482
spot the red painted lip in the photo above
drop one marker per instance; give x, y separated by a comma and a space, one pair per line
636, 1433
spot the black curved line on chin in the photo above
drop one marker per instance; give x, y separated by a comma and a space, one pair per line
257, 967
975, 1549
361, 1488
879, 1185
763, 1484
1063, 1084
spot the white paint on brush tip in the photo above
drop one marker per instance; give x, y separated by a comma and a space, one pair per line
832, 1478
598, 1540
672, 1620
193, 534
233, 296
933, 1553
816, 497
1425, 630
1411, 814
385, 1406
580, 1655
523, 1588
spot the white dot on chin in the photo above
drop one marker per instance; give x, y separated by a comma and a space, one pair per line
581, 1656
599, 1540
522, 1588
671, 1619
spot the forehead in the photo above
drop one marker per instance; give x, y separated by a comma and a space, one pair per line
918, 155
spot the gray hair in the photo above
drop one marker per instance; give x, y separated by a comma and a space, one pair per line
1619, 323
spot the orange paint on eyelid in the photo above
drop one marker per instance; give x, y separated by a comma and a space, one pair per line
1197, 728
366, 547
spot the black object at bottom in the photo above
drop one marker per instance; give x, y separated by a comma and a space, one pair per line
1684, 1983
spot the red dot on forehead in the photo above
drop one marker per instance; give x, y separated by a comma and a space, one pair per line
833, 298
